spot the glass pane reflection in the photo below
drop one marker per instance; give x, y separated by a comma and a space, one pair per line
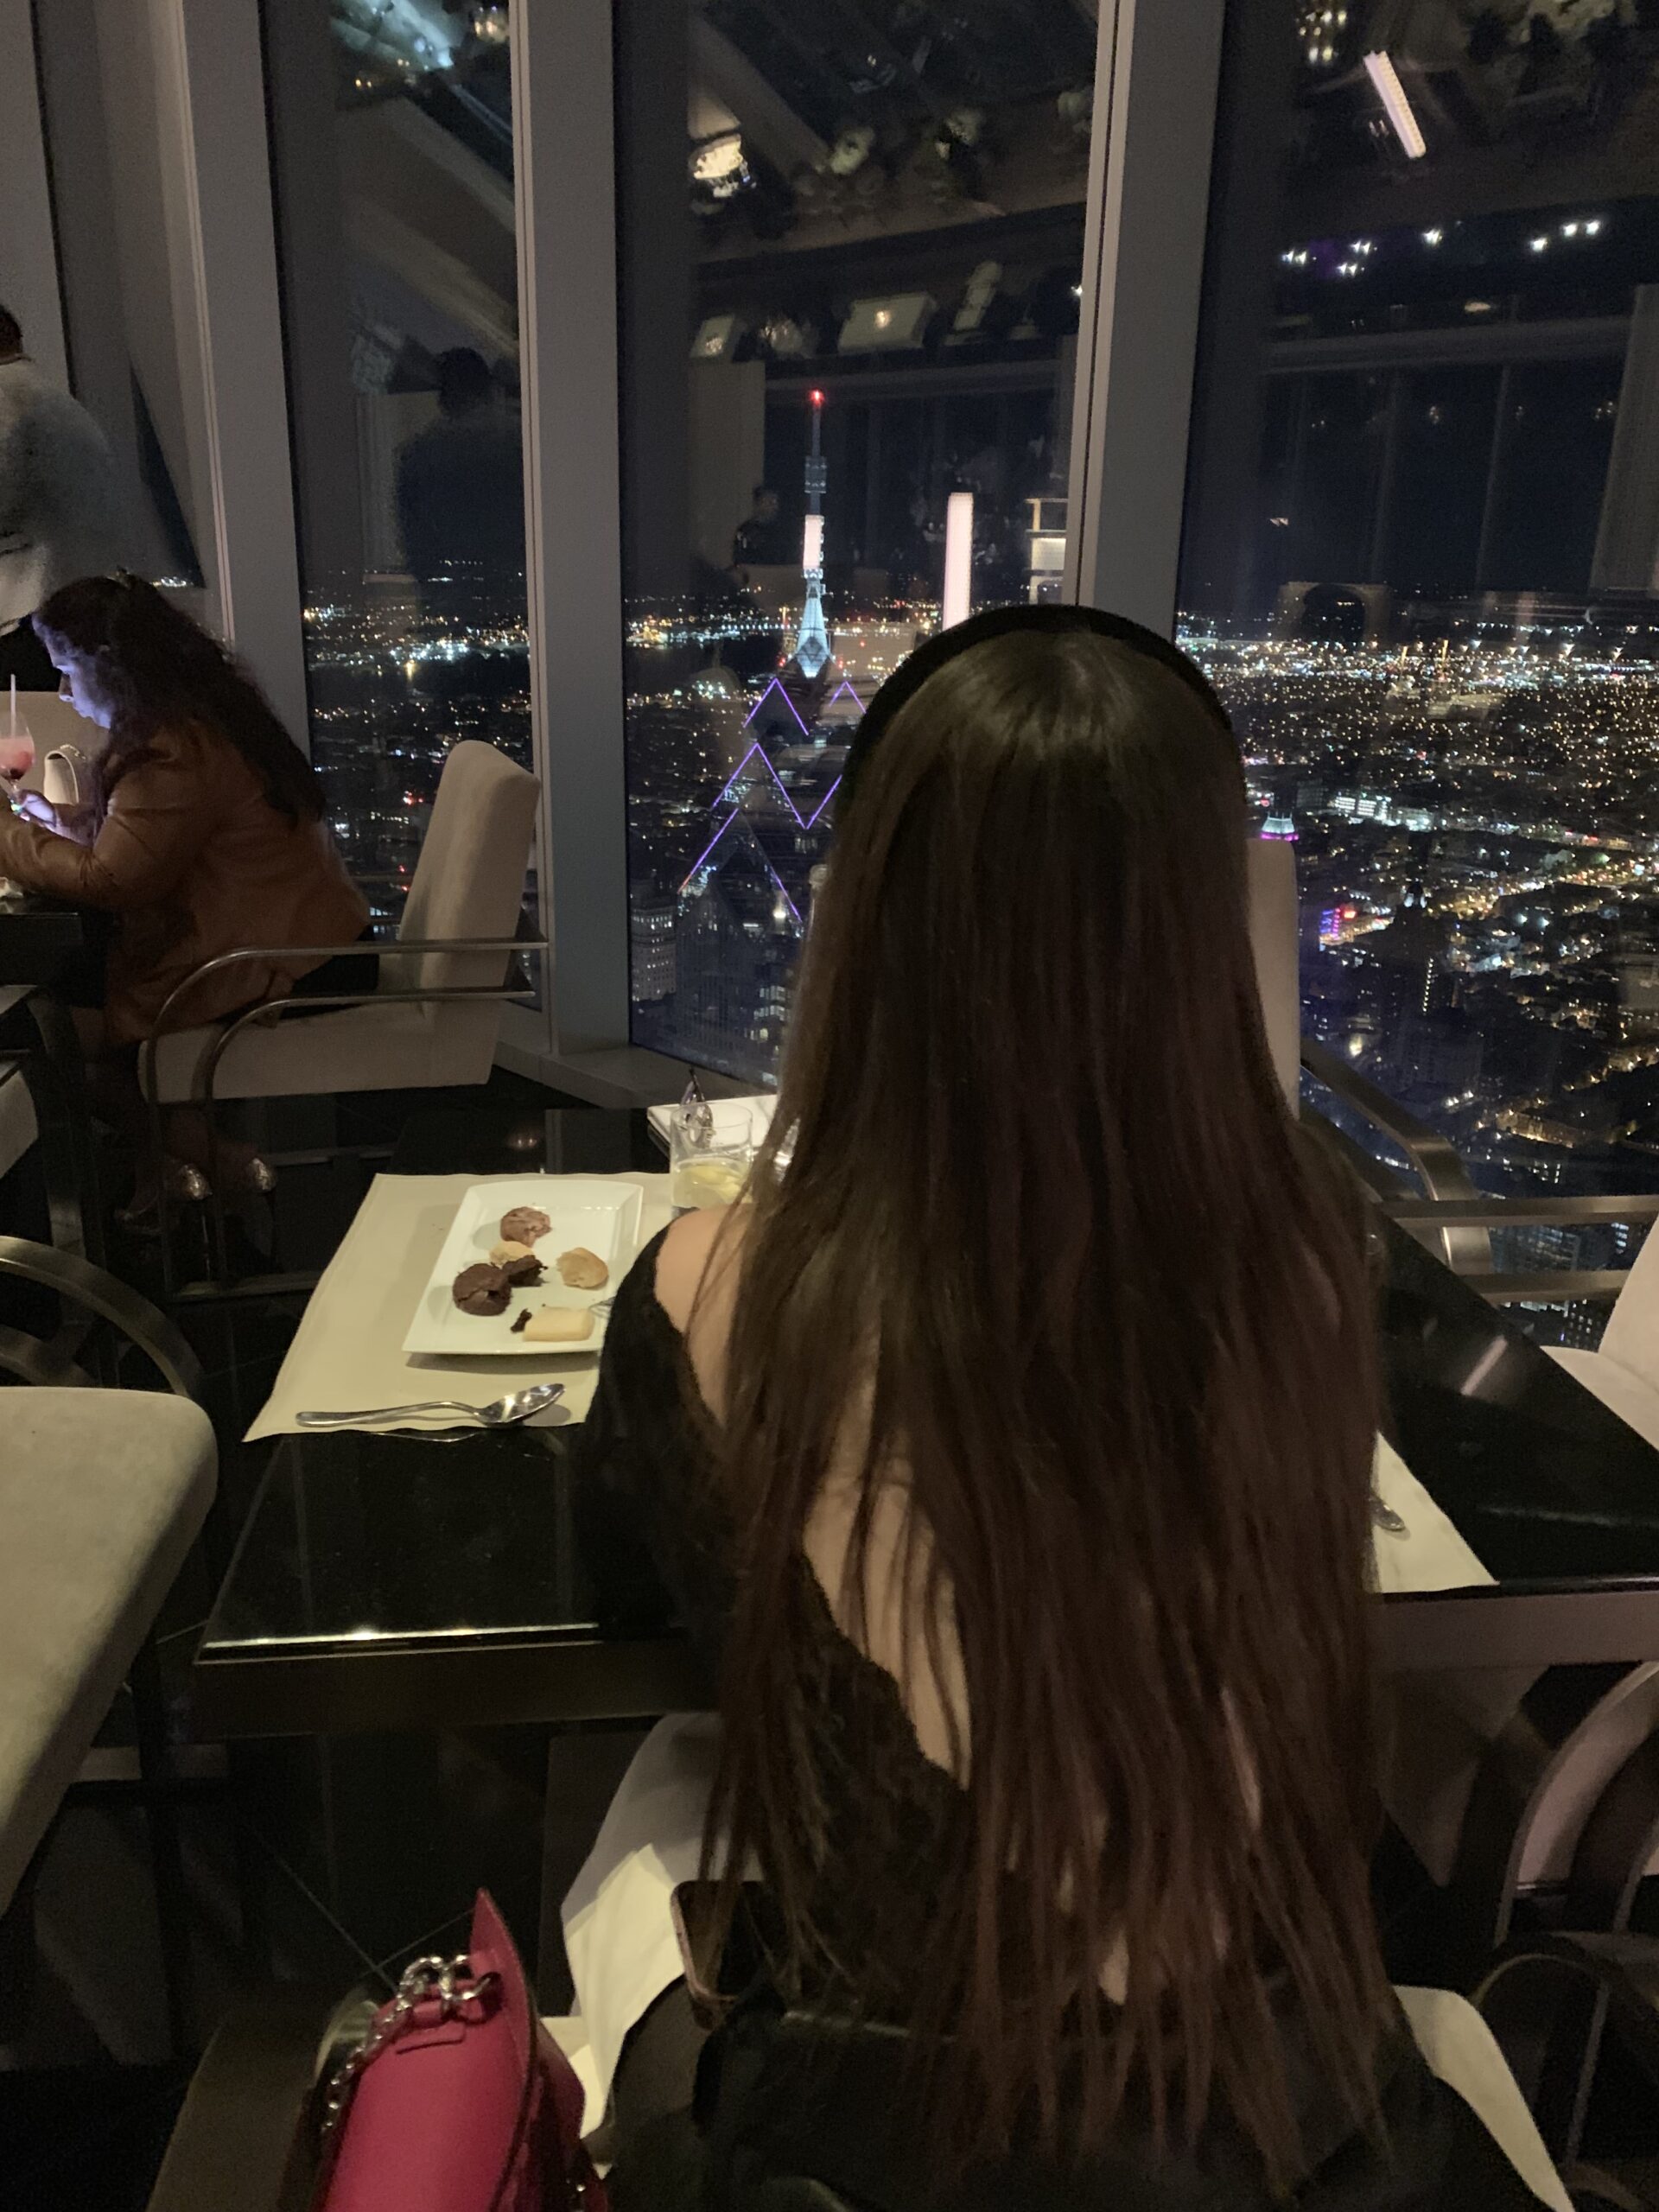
392, 155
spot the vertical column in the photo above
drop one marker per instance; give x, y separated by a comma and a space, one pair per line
221, 170
29, 262
311, 240
654, 281
1497, 455
83, 207
1142, 279
1219, 543
564, 161
1627, 541
1388, 474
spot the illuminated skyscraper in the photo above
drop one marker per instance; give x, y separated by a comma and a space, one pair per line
812, 646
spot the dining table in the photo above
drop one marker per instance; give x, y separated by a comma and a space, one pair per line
431, 1581
38, 936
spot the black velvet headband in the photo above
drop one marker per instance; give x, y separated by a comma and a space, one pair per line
1048, 621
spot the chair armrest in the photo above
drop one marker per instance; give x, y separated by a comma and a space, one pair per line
236, 2146
310, 1002
385, 947
117, 1303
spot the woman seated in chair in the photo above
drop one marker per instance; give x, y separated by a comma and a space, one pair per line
1013, 1450
202, 832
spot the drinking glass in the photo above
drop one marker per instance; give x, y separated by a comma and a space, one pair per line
709, 1169
16, 756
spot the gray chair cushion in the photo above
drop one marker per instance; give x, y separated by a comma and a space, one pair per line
102, 1493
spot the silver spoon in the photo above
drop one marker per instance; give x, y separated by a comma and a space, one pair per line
1386, 1518
500, 1413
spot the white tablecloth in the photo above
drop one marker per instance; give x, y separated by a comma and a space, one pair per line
348, 1351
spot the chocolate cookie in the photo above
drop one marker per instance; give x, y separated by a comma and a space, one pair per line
481, 1289
517, 1263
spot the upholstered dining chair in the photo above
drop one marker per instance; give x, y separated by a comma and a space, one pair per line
103, 1492
433, 1018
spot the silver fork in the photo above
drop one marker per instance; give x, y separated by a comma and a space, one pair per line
499, 1413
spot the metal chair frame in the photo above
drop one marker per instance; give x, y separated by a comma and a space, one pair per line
204, 1093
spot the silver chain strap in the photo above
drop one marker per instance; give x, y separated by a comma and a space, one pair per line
449, 1983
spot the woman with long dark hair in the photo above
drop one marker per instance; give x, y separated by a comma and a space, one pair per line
1012, 1452
203, 832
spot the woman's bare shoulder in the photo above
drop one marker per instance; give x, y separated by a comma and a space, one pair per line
697, 1271
683, 1260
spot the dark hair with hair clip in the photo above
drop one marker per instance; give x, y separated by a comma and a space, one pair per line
1054, 1277
1046, 620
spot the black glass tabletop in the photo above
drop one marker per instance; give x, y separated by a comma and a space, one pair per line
1545, 1483
380, 1578
397, 1581
37, 936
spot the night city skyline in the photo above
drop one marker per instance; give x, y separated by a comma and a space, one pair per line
1417, 553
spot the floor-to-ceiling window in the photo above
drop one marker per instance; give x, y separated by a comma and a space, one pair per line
850, 254
392, 158
1421, 550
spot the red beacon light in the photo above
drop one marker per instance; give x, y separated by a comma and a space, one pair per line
816, 398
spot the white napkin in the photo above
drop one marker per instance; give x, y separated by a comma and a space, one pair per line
347, 1352
728, 1113
1430, 1555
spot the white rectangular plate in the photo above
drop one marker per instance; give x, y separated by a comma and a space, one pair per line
600, 1213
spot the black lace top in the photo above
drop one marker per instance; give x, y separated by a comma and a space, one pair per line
654, 1532
892, 1829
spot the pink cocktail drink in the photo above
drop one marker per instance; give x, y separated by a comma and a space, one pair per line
16, 754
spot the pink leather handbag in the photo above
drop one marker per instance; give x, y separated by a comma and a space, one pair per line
458, 2100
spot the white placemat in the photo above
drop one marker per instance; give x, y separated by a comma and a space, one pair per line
1432, 1555
348, 1351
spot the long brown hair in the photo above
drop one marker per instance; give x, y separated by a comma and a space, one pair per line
1047, 1215
160, 670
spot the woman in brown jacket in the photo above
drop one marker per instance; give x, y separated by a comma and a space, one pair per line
203, 832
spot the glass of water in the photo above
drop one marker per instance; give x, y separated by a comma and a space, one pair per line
709, 1167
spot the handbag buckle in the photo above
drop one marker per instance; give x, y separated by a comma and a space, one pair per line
448, 1983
